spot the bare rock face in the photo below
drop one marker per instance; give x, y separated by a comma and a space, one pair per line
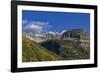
75, 33
79, 35
53, 35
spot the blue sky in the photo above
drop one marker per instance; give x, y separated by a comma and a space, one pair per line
44, 21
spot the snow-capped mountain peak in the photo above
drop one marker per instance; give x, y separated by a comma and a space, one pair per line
63, 32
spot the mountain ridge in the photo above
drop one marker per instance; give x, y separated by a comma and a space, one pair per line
32, 51
66, 34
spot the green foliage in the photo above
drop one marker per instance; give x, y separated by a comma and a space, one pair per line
32, 51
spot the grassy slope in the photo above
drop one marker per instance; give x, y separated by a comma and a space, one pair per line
32, 51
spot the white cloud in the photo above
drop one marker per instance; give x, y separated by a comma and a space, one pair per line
35, 27
39, 23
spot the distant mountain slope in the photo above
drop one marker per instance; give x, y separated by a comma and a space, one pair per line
75, 33
68, 49
71, 34
67, 45
31, 51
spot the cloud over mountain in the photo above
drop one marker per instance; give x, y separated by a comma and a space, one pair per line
35, 26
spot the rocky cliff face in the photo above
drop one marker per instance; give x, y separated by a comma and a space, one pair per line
78, 35
53, 35
67, 49
75, 33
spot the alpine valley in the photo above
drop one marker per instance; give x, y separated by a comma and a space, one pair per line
73, 44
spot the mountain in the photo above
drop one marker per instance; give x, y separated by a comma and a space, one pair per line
63, 32
67, 49
78, 35
37, 37
66, 45
42, 37
53, 35
32, 51
75, 33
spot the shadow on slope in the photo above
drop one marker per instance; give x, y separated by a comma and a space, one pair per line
32, 51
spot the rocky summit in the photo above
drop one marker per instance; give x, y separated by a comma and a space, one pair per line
75, 33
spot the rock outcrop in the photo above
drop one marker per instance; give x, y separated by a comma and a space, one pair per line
75, 33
